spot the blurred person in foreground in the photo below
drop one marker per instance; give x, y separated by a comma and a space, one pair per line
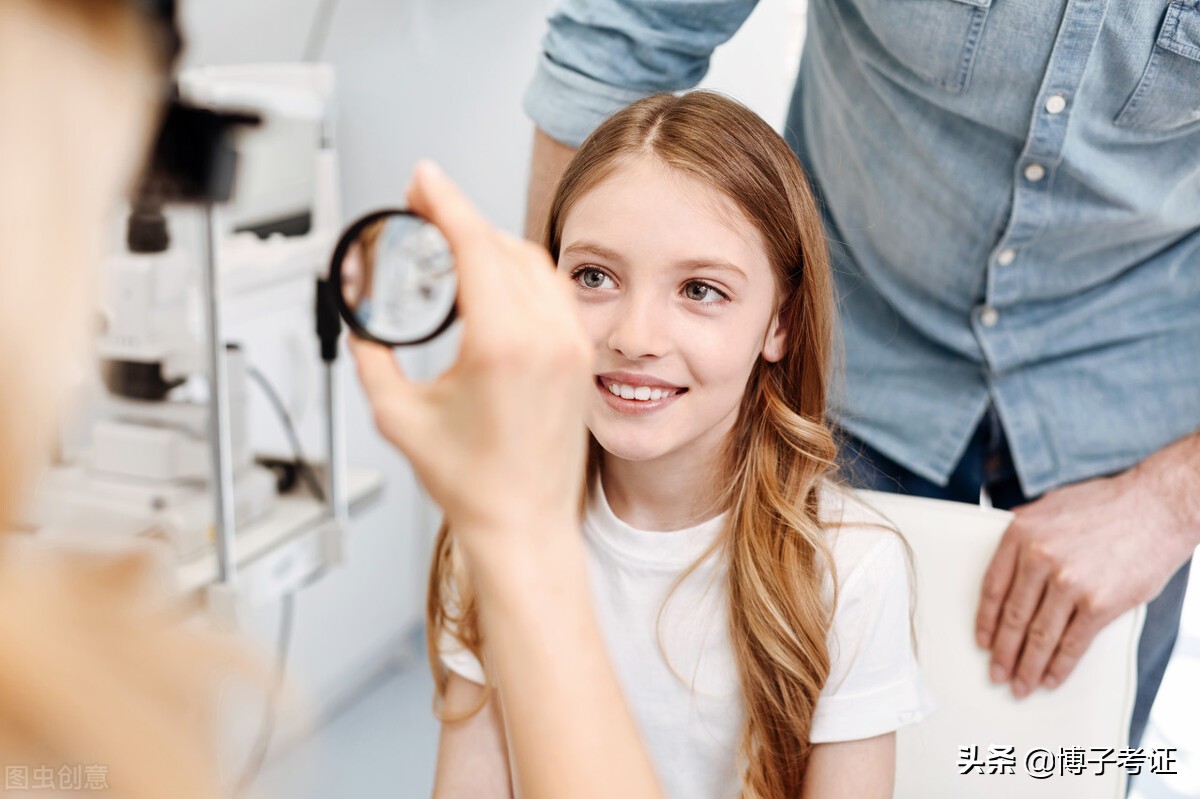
96, 669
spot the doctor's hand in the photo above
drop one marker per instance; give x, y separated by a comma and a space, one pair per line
1075, 560
499, 439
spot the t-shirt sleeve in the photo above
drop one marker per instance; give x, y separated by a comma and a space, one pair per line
601, 55
875, 685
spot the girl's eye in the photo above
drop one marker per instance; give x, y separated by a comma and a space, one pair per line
703, 293
589, 277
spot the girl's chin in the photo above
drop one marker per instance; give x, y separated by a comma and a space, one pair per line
634, 451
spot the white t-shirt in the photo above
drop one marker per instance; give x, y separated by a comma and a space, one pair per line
691, 723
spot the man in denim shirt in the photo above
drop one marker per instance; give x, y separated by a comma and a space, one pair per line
1014, 189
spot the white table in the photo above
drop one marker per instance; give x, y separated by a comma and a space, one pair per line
288, 549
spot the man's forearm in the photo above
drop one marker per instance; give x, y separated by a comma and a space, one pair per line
1174, 474
549, 160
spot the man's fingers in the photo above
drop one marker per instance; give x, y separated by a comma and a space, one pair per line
1042, 638
1018, 610
392, 397
996, 582
1074, 642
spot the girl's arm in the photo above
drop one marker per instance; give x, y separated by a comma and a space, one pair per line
472, 761
864, 769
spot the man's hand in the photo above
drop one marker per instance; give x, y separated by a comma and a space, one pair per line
1079, 557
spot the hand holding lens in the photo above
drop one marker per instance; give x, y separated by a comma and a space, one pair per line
394, 277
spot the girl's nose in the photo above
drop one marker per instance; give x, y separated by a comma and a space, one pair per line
639, 329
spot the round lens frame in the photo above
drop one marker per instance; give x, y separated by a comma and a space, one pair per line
348, 314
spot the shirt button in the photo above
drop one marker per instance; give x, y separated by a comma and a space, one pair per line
1055, 103
988, 316
1035, 172
1006, 256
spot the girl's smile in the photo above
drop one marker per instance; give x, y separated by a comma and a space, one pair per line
634, 394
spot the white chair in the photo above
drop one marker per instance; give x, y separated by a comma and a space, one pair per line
952, 545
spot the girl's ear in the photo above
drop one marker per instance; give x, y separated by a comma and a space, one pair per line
775, 344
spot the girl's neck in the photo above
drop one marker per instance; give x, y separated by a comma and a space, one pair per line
653, 495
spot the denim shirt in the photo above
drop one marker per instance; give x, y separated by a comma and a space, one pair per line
1012, 196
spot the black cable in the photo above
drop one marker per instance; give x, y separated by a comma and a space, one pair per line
302, 465
262, 744
318, 32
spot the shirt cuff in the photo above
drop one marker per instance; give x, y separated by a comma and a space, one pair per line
567, 105
865, 715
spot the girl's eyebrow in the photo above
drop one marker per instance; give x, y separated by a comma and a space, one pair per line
689, 264
591, 248
693, 264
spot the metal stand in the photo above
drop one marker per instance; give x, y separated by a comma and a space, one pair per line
336, 445
218, 409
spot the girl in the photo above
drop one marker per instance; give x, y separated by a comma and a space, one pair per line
757, 619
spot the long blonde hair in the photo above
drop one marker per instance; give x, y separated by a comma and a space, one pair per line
780, 450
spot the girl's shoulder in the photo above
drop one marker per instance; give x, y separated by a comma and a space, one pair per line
874, 683
860, 538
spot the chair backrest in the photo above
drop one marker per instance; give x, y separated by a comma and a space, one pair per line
975, 720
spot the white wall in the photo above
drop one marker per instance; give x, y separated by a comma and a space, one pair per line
440, 79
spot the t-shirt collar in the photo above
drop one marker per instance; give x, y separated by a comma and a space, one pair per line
672, 549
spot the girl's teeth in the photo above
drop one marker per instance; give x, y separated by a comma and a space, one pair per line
642, 393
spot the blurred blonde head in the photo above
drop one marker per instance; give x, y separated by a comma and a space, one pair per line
79, 88
95, 668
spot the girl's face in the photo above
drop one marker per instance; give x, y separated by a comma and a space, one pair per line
677, 294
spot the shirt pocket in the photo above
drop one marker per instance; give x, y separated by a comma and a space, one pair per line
936, 40
1168, 94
